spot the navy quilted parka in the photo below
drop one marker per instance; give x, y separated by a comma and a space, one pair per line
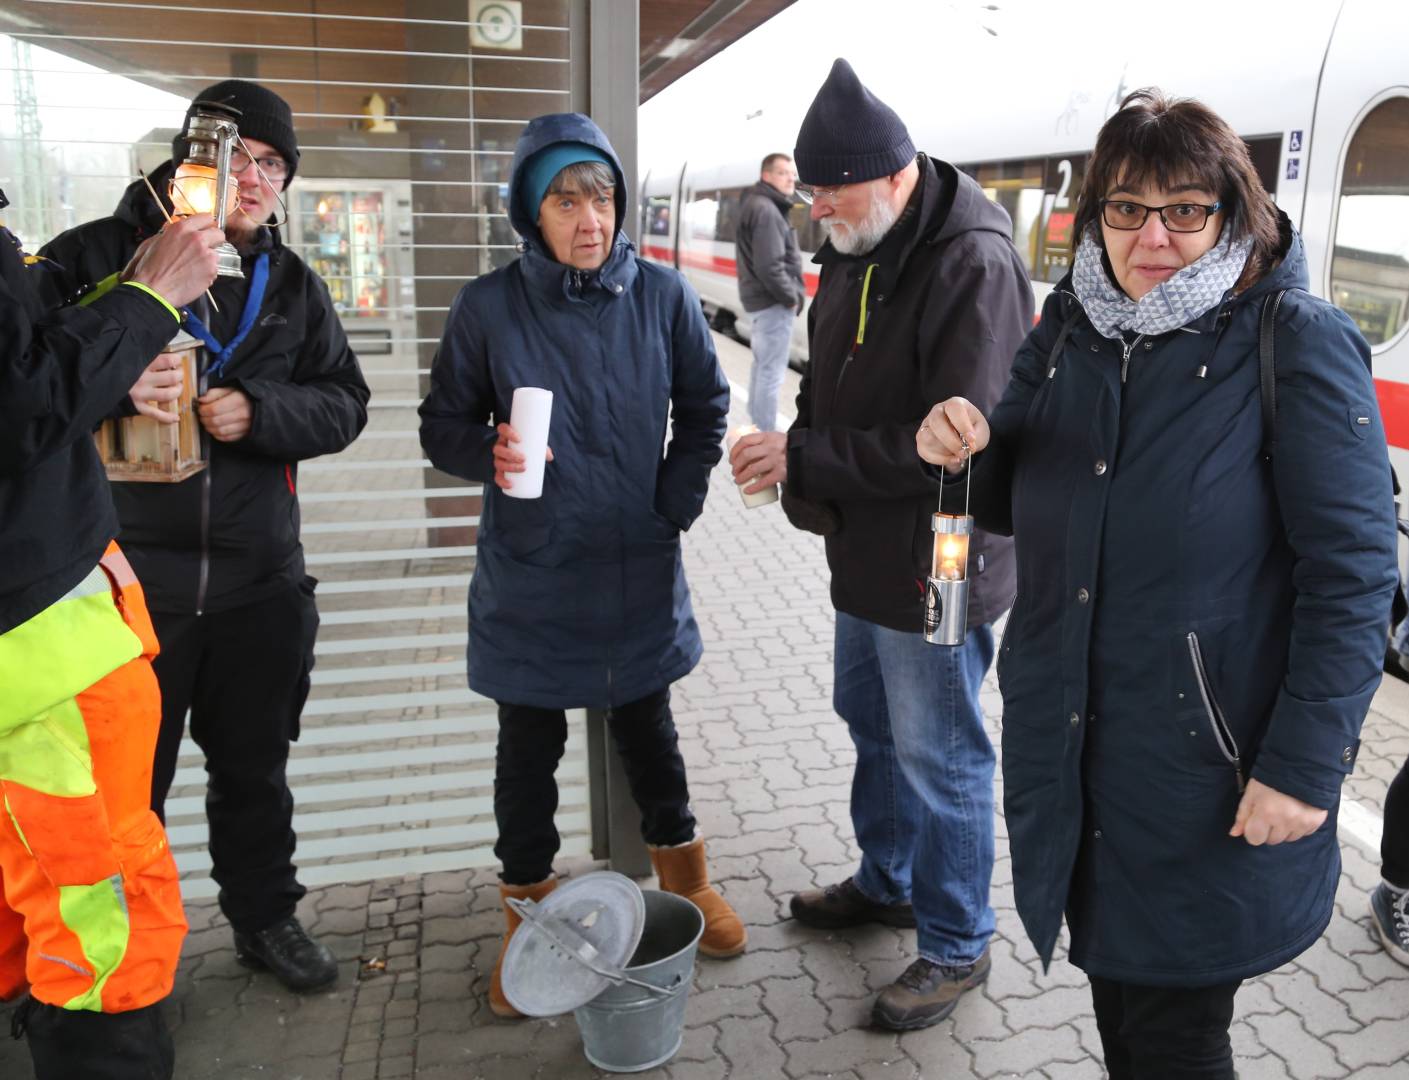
578, 598
1189, 616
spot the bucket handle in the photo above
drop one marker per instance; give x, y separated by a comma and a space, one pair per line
578, 947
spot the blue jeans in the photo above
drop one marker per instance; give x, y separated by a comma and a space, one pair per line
770, 336
922, 793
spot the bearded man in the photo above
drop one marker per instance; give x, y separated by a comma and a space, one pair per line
921, 292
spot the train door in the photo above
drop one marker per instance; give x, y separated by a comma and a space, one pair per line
659, 216
1356, 217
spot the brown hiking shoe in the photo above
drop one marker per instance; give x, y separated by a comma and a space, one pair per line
926, 993
842, 905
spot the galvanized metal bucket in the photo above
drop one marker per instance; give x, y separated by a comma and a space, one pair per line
620, 959
628, 1027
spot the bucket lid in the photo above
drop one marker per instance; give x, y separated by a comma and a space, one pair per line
591, 922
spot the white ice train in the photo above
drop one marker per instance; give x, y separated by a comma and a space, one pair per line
1320, 94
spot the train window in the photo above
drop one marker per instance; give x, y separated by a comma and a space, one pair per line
1017, 187
1266, 154
658, 215
810, 234
1370, 263
726, 226
701, 212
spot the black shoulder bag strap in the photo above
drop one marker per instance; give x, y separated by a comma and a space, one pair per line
1267, 370
1062, 335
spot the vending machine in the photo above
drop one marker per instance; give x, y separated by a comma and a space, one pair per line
357, 236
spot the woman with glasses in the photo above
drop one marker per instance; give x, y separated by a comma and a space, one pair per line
1204, 582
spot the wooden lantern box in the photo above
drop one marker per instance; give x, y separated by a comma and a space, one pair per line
140, 448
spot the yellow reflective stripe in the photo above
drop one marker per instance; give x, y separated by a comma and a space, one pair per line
163, 301
102, 288
62, 651
16, 823
50, 754
865, 292
97, 915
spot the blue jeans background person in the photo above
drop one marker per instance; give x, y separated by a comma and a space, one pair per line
923, 780
770, 338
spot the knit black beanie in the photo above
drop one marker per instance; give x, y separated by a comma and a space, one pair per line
849, 135
259, 113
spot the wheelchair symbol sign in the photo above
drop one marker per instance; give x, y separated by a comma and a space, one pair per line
1294, 141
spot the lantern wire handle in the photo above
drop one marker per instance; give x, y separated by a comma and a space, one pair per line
968, 478
164, 214
969, 472
278, 192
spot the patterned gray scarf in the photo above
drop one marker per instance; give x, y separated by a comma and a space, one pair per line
1171, 304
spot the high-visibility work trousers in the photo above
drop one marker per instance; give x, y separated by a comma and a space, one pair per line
90, 904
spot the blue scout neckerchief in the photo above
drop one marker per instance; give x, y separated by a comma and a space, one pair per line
220, 354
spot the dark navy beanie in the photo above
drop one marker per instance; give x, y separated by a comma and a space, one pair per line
259, 113
849, 135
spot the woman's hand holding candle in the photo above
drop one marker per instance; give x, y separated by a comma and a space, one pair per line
508, 460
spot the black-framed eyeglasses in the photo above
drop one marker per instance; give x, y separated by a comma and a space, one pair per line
1182, 217
809, 194
1177, 217
273, 166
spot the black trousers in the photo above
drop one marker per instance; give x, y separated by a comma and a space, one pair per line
1163, 1033
531, 742
1394, 846
243, 674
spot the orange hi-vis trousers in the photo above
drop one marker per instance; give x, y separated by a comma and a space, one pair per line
90, 904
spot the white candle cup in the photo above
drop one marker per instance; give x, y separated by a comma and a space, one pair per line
758, 498
528, 417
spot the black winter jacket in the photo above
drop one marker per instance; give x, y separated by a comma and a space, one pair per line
770, 266
60, 372
309, 398
948, 304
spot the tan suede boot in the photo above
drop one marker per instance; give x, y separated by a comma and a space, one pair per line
682, 871
498, 1003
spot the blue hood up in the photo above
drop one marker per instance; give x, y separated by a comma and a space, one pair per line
544, 131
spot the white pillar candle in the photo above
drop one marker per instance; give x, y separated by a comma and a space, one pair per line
529, 418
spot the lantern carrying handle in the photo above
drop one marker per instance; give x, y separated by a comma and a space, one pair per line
968, 477
278, 192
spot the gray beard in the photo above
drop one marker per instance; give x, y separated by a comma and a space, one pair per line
867, 234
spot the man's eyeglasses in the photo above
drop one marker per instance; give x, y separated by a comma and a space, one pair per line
1177, 217
809, 194
274, 167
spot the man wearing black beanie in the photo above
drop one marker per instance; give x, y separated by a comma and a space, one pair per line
219, 553
921, 293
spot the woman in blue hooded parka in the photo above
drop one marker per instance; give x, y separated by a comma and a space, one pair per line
578, 597
1202, 599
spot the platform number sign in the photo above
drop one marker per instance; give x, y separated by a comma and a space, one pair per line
496, 24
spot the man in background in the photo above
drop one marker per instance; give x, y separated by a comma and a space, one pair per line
770, 282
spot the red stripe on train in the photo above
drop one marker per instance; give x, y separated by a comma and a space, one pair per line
1394, 409
716, 263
